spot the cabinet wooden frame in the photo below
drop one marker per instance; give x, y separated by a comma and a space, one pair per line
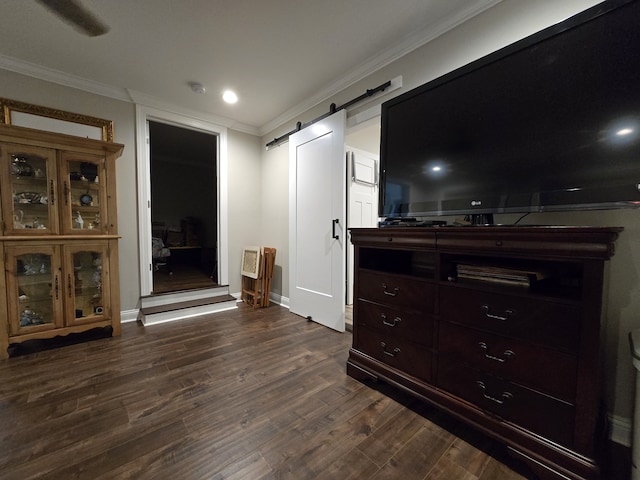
88, 314
51, 278
63, 207
557, 442
62, 238
11, 209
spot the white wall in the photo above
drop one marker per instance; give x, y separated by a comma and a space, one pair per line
500, 26
274, 223
244, 198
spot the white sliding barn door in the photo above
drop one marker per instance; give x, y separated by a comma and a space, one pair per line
317, 233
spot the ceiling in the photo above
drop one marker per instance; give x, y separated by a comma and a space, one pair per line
281, 57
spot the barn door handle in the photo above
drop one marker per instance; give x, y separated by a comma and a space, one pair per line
335, 222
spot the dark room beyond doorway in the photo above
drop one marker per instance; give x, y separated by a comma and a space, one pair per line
183, 207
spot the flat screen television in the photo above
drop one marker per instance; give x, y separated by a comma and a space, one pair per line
551, 122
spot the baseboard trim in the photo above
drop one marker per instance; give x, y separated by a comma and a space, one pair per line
280, 300
620, 429
273, 297
128, 316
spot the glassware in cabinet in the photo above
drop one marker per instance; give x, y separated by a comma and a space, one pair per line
30, 201
35, 288
87, 282
83, 184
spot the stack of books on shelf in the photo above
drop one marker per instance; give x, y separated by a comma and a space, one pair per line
504, 275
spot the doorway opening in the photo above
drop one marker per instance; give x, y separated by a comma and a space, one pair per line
144, 115
184, 196
363, 147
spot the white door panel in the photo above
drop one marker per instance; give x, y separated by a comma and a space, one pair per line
316, 199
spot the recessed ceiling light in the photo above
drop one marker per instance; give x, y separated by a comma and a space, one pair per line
229, 96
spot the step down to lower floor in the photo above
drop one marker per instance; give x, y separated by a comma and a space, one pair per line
169, 298
168, 307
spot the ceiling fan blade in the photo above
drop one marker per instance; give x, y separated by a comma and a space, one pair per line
76, 14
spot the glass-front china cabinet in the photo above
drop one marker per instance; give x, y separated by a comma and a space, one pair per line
59, 236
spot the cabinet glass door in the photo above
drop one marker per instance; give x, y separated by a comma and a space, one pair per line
29, 201
34, 287
84, 193
86, 270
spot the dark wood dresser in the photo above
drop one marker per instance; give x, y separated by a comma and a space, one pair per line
498, 326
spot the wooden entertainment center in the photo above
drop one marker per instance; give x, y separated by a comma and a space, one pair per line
498, 326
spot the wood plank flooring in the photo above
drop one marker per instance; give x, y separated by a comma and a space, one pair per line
247, 394
182, 277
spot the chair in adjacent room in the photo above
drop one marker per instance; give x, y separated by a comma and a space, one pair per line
159, 252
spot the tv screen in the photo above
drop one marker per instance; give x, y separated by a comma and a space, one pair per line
551, 122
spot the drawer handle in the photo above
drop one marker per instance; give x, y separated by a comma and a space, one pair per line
395, 352
507, 353
500, 401
390, 323
387, 292
507, 313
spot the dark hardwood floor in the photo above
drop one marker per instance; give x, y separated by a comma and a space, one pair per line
247, 394
182, 276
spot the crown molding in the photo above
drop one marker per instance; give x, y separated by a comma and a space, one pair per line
140, 98
410, 43
60, 78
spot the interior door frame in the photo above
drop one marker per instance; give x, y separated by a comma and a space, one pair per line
144, 114
351, 186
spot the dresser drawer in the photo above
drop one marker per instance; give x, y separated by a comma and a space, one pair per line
537, 320
395, 352
539, 413
397, 290
392, 321
549, 371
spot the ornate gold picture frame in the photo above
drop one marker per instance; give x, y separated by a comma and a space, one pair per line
9, 109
